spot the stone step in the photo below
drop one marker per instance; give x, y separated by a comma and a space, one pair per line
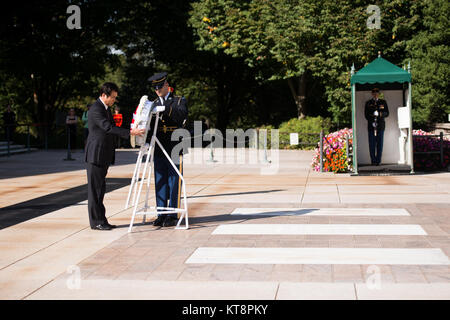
11, 147
320, 229
4, 152
390, 256
338, 212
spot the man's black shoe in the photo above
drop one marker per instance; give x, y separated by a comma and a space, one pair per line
159, 221
112, 226
101, 227
170, 221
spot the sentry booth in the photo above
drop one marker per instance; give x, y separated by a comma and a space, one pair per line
395, 84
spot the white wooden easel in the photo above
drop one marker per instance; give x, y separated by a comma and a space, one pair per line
148, 150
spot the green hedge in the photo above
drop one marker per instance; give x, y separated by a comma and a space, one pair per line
303, 127
308, 129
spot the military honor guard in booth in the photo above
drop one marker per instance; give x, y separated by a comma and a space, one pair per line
375, 111
167, 181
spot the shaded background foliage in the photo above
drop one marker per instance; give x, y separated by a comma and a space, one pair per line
239, 63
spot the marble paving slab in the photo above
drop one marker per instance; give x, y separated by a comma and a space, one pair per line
389, 256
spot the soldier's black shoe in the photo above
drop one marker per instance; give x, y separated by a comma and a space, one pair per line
159, 221
101, 227
170, 221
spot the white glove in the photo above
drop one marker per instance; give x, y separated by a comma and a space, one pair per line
375, 113
159, 109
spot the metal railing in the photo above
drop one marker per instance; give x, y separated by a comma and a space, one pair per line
28, 139
320, 135
349, 155
28, 125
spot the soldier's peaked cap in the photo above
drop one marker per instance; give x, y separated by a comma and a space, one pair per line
158, 79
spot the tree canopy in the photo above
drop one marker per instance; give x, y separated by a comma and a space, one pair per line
45, 66
291, 39
239, 63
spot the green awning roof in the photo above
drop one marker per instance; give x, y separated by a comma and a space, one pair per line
380, 71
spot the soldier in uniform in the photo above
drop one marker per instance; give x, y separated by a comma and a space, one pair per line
375, 111
167, 181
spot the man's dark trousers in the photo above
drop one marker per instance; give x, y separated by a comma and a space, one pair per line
96, 192
376, 144
166, 183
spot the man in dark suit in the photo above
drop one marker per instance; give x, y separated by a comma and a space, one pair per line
100, 152
167, 182
375, 111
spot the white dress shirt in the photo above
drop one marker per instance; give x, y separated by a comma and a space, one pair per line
163, 99
106, 107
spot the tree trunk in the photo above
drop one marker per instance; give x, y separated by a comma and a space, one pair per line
299, 94
223, 113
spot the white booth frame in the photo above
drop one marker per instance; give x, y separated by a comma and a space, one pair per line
392, 133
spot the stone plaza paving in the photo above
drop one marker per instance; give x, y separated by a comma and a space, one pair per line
256, 231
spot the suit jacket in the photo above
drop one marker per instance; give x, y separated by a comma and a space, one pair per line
100, 149
371, 106
174, 115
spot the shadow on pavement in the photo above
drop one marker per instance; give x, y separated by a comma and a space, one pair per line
37, 207
197, 222
52, 161
234, 194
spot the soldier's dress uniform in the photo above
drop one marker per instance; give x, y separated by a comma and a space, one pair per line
376, 126
167, 181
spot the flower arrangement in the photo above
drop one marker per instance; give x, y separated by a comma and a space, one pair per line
429, 162
335, 156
